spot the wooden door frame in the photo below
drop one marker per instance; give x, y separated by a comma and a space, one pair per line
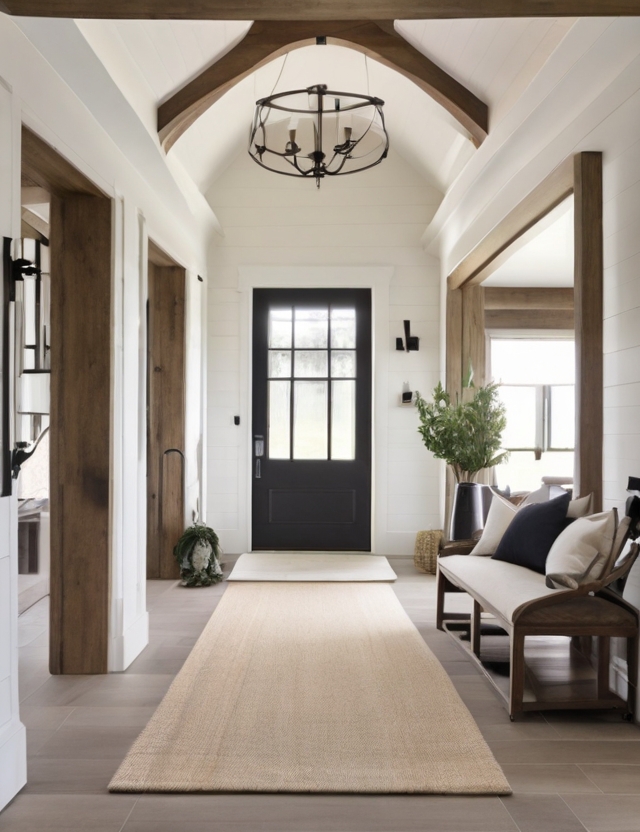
166, 425
81, 416
580, 175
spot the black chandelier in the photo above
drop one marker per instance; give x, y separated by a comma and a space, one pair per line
316, 132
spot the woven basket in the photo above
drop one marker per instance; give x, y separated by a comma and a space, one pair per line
425, 555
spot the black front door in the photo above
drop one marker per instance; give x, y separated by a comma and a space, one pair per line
312, 419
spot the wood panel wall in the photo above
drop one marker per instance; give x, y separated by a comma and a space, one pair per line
81, 333
588, 291
166, 425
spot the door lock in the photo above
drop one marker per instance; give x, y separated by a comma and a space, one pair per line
258, 446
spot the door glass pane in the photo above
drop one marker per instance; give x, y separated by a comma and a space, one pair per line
280, 328
311, 364
343, 363
343, 420
279, 420
343, 328
312, 328
520, 402
310, 420
279, 363
562, 417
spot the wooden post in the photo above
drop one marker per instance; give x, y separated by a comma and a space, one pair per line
473, 334
81, 425
166, 426
588, 282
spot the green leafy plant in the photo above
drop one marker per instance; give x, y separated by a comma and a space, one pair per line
197, 554
467, 434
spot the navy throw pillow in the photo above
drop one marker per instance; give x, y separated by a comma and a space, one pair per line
532, 532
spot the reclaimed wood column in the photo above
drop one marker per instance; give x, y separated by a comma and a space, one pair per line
81, 425
473, 334
588, 311
166, 426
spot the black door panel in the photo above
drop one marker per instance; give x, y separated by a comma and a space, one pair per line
312, 419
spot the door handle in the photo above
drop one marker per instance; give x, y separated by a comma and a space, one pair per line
258, 445
258, 471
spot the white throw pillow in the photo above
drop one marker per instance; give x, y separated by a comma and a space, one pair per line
580, 507
501, 513
580, 551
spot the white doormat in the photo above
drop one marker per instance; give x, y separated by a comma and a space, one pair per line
311, 566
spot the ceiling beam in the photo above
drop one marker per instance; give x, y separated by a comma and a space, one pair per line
477, 265
285, 10
267, 40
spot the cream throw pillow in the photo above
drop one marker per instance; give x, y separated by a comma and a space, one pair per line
580, 551
580, 507
501, 513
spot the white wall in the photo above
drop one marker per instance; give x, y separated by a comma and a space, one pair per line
273, 224
146, 202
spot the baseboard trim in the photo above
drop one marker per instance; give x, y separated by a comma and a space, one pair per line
13, 761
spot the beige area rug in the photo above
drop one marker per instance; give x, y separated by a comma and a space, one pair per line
311, 687
311, 566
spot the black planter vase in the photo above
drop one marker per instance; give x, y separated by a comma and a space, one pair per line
467, 515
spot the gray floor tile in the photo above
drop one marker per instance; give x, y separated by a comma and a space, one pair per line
542, 813
613, 779
606, 813
546, 779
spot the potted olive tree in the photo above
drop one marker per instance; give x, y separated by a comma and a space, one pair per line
467, 435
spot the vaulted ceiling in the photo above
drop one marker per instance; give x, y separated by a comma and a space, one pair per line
494, 59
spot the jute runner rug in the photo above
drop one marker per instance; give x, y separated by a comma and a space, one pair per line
311, 687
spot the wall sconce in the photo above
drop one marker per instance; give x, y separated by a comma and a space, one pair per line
406, 397
412, 342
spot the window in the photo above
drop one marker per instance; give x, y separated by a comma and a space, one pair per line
537, 387
312, 383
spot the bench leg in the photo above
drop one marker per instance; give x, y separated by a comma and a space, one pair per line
475, 628
516, 673
604, 659
632, 672
441, 585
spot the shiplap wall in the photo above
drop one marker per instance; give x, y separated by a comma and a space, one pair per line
373, 218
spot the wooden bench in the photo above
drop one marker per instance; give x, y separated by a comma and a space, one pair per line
521, 605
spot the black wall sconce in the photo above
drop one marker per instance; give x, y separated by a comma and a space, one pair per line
412, 342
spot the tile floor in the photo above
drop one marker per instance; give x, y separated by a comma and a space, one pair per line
569, 772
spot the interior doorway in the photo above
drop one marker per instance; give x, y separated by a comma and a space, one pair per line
311, 452
166, 366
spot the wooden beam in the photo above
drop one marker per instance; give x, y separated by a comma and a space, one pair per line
529, 319
536, 205
34, 196
473, 334
527, 297
166, 420
320, 10
40, 226
267, 40
47, 169
81, 426
454, 343
588, 286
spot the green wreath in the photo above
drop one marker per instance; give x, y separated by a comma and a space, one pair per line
197, 555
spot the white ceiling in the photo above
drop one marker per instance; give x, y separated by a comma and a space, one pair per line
496, 59
547, 259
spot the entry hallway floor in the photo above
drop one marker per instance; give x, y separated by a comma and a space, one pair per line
569, 771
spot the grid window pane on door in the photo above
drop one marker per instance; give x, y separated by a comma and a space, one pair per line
311, 415
562, 409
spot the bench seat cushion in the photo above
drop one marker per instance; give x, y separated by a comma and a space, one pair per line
503, 586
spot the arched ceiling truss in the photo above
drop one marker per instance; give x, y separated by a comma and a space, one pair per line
267, 40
